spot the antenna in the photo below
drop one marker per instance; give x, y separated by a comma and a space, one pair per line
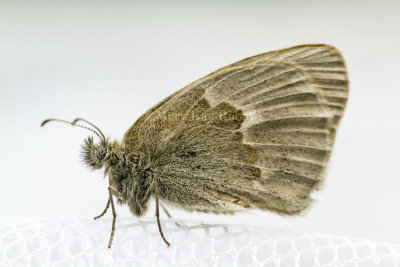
97, 128
74, 124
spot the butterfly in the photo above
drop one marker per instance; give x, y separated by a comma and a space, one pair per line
256, 134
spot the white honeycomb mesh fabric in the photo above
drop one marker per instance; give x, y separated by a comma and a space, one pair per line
83, 242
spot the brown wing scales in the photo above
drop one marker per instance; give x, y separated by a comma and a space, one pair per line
255, 134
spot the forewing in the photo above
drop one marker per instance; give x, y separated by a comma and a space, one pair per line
255, 134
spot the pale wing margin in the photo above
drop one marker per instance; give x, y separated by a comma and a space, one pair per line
291, 120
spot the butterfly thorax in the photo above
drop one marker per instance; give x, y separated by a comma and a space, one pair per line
132, 181
127, 172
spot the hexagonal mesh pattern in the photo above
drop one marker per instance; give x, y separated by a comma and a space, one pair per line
83, 242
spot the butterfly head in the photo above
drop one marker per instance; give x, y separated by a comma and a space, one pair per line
95, 155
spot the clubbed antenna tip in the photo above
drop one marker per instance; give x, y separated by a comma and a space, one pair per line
44, 122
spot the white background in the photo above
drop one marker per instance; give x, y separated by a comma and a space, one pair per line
109, 61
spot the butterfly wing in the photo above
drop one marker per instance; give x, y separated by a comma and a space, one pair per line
255, 134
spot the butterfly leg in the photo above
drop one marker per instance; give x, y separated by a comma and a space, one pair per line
166, 211
158, 217
115, 192
168, 214
105, 210
110, 191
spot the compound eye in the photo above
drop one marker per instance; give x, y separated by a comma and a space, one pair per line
101, 153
